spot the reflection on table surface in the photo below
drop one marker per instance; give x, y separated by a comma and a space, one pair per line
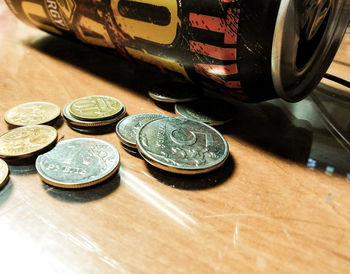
279, 203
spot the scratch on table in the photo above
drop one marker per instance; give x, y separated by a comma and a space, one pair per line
329, 198
235, 236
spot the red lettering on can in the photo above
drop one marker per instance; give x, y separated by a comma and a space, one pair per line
227, 26
213, 51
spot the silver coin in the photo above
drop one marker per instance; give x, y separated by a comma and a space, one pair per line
74, 121
182, 145
128, 128
78, 162
211, 111
174, 92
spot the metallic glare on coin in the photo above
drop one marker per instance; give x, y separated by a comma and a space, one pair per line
182, 145
96, 107
32, 113
128, 128
78, 162
27, 141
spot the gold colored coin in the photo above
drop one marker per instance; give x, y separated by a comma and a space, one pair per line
4, 173
27, 141
95, 107
32, 113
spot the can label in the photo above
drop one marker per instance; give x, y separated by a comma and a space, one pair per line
196, 39
252, 50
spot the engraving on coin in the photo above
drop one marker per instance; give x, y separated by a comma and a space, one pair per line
211, 111
4, 173
173, 92
32, 113
181, 145
91, 123
78, 162
128, 128
95, 107
23, 142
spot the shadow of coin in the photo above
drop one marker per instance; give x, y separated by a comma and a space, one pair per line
84, 195
195, 182
131, 150
57, 123
22, 168
170, 107
5, 192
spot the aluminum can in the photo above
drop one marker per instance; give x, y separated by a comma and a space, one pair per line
251, 50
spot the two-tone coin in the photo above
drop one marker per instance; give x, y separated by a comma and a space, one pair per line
128, 128
27, 141
32, 113
78, 163
181, 145
175, 92
212, 111
4, 173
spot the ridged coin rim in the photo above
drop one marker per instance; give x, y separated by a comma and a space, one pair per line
82, 123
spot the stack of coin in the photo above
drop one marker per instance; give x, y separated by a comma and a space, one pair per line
27, 141
32, 113
127, 129
78, 163
209, 110
175, 92
94, 114
181, 145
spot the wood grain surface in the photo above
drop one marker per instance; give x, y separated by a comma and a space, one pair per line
263, 211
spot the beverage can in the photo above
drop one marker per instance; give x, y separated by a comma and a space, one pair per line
251, 50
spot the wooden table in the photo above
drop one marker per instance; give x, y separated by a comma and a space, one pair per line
263, 211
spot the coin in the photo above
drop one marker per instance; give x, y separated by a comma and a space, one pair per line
182, 145
4, 173
173, 92
211, 111
95, 107
27, 141
78, 162
96, 123
128, 128
32, 113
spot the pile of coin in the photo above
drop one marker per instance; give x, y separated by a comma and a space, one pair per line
174, 144
191, 102
93, 114
30, 136
175, 92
